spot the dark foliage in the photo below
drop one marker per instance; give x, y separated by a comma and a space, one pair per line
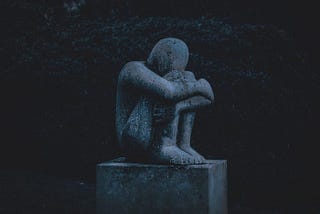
39, 193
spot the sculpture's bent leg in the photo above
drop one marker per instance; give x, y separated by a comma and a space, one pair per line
184, 135
136, 134
164, 149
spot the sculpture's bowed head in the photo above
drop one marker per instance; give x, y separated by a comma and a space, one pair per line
167, 55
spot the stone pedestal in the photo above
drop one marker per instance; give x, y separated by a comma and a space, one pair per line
145, 188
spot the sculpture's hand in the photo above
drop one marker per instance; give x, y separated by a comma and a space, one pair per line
205, 89
192, 104
163, 113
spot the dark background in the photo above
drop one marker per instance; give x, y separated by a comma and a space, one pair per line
58, 73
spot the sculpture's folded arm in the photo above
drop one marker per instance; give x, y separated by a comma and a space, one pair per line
139, 76
192, 103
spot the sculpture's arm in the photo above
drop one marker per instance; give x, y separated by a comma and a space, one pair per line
192, 104
206, 86
139, 76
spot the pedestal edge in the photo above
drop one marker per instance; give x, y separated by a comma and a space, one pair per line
121, 162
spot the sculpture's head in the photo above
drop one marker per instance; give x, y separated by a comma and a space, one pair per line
167, 55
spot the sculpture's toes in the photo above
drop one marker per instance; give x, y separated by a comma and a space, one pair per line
198, 159
187, 159
173, 155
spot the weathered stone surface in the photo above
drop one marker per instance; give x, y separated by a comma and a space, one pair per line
156, 104
144, 188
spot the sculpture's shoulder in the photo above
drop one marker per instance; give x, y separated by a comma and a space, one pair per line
129, 69
132, 66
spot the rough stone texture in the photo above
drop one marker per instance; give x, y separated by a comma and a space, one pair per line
156, 101
143, 188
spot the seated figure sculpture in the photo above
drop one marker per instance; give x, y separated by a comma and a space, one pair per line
156, 104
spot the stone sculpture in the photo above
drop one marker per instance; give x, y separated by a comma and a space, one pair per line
156, 104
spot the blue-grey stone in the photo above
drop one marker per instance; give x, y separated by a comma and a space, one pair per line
148, 188
156, 106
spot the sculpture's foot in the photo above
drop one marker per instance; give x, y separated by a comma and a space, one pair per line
173, 155
198, 158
